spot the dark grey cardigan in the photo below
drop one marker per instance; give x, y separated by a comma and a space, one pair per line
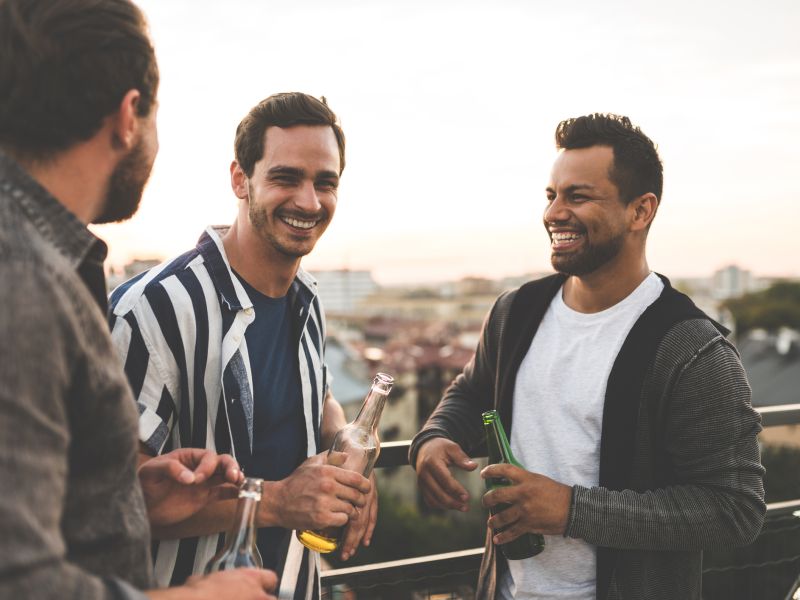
679, 460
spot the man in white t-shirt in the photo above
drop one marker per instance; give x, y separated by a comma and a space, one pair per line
631, 411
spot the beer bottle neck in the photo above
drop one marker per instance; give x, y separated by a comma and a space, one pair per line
370, 413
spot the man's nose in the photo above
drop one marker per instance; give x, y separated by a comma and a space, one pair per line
556, 211
307, 198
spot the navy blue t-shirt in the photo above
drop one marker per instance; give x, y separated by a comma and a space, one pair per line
279, 431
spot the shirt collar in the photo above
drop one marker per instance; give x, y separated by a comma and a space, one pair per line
54, 222
211, 248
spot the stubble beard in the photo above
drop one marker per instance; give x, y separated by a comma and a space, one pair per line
126, 185
260, 222
589, 259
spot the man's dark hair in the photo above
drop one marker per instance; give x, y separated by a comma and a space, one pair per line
65, 65
637, 168
282, 110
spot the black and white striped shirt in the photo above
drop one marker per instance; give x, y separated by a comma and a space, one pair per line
180, 330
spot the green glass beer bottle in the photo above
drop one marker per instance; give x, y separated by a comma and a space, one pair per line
529, 544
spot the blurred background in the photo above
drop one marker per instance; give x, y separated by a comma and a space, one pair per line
449, 109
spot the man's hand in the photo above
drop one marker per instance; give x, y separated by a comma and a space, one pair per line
237, 584
178, 484
537, 503
439, 488
362, 524
315, 496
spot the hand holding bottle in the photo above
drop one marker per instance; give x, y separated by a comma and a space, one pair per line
439, 488
316, 495
355, 448
361, 525
241, 584
537, 504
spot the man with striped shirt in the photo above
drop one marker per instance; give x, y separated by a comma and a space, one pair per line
224, 349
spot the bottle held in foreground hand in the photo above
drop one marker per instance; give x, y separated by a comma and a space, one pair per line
529, 544
359, 443
240, 548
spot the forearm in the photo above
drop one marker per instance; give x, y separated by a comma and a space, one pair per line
333, 420
219, 516
55, 582
713, 494
214, 518
457, 417
681, 517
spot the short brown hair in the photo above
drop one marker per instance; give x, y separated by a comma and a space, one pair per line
637, 168
65, 65
282, 110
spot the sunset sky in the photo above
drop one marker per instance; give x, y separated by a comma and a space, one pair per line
449, 110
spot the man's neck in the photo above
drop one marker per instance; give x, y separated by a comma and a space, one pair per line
258, 263
605, 286
77, 178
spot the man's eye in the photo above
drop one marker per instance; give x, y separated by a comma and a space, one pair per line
326, 185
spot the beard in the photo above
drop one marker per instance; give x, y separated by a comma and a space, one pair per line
126, 185
589, 258
260, 221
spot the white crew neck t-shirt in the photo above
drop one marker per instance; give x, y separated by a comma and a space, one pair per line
557, 422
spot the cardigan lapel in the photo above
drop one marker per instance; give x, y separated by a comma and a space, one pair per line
624, 398
527, 311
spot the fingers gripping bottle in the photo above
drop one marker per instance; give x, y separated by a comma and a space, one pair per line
359, 442
240, 542
529, 544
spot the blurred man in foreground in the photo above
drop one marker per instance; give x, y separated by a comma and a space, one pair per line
77, 142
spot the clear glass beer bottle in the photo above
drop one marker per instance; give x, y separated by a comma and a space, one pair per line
359, 443
240, 548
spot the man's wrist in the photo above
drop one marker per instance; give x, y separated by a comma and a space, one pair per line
421, 439
269, 507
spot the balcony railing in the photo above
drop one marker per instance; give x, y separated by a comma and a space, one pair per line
452, 575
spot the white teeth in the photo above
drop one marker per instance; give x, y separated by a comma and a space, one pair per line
298, 223
565, 236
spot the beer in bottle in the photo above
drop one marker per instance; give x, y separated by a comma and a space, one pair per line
359, 443
526, 545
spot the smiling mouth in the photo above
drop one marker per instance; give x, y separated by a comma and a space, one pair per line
299, 223
565, 239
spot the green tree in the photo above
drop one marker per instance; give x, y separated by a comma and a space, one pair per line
776, 307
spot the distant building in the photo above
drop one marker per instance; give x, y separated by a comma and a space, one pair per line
343, 290
732, 282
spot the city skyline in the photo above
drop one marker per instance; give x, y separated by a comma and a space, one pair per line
449, 111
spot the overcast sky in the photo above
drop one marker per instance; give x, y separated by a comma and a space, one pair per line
449, 110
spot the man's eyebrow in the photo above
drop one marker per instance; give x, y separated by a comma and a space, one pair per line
580, 186
327, 175
279, 170
572, 188
284, 170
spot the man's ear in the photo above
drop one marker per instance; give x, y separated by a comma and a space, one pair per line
125, 122
644, 211
239, 181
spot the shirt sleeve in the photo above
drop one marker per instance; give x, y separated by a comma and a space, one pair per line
717, 499
155, 401
36, 363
